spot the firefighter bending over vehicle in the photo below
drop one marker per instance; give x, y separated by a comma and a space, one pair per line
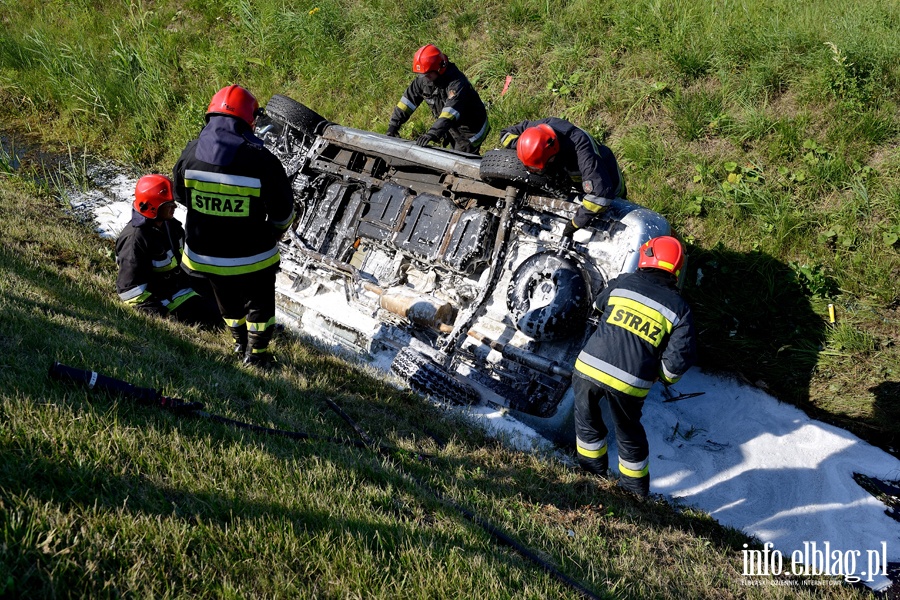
557, 147
461, 118
148, 256
239, 204
645, 333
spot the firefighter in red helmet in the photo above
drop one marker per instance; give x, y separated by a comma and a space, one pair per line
560, 149
460, 116
646, 332
239, 204
148, 256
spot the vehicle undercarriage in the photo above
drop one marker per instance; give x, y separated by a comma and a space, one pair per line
448, 265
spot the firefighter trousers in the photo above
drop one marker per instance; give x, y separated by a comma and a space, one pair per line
247, 304
591, 401
464, 139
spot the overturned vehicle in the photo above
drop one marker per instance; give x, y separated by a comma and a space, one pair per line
447, 266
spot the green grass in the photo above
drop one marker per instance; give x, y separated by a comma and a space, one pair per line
765, 132
101, 497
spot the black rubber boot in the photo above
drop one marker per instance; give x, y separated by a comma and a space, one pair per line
239, 334
597, 466
636, 485
261, 360
258, 352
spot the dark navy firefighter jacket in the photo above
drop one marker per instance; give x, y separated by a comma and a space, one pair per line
588, 163
239, 200
454, 104
148, 258
646, 332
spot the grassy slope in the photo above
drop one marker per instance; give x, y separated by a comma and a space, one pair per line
102, 498
766, 132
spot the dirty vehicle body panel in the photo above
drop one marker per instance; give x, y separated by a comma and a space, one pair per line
445, 265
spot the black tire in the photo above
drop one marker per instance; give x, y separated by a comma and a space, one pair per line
549, 297
427, 377
290, 112
501, 167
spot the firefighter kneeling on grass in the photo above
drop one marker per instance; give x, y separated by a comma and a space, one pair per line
239, 204
148, 255
645, 333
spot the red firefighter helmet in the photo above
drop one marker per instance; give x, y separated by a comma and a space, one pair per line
234, 101
664, 253
429, 58
536, 146
151, 192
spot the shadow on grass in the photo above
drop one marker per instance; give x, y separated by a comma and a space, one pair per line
83, 490
754, 318
53, 317
49, 314
885, 410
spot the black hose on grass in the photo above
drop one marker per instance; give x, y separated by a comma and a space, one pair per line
151, 397
483, 523
359, 431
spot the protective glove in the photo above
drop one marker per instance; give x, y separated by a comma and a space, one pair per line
392, 131
423, 139
569, 229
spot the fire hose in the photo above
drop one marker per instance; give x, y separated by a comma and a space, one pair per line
152, 397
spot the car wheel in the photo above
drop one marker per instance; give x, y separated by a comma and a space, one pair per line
427, 377
296, 115
549, 297
501, 167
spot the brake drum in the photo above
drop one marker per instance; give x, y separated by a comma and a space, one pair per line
549, 297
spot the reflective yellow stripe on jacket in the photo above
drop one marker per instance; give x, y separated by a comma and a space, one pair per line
166, 264
646, 322
230, 266
222, 183
612, 376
